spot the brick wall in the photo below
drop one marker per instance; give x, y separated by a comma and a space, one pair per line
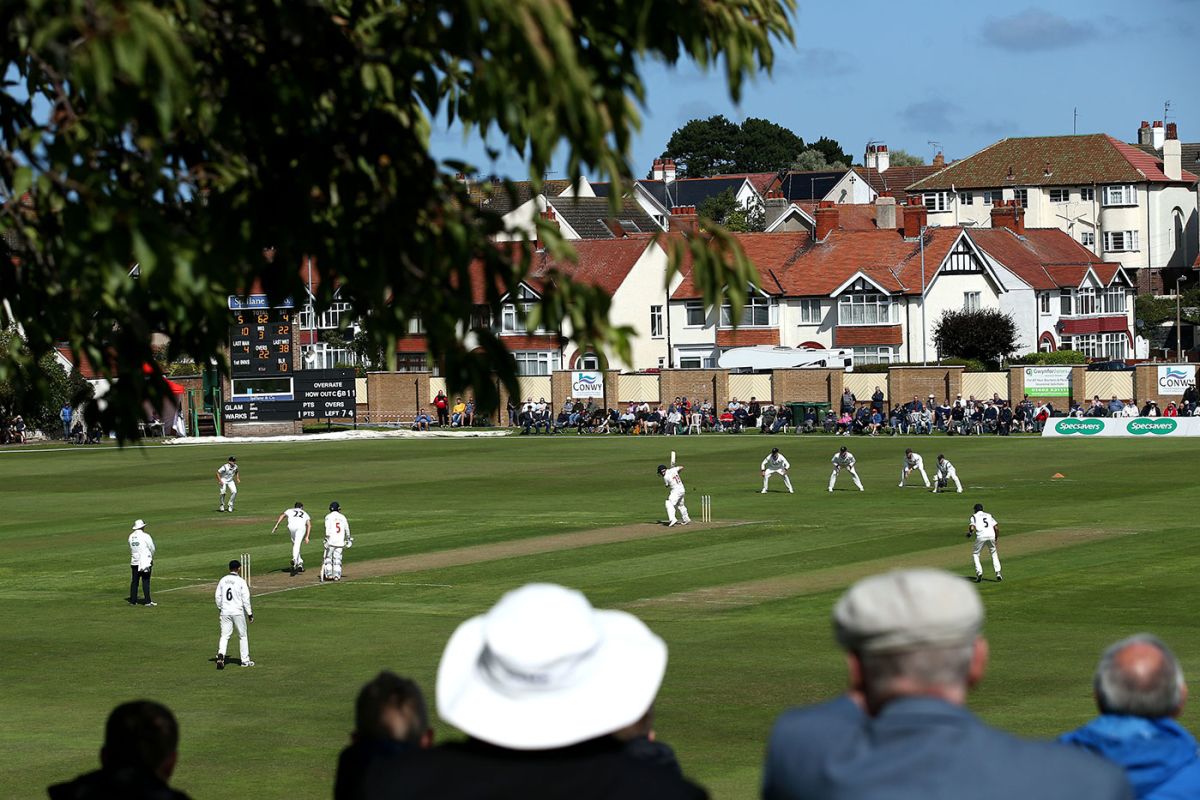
694, 384
1145, 384
807, 385
944, 383
859, 335
237, 429
393, 398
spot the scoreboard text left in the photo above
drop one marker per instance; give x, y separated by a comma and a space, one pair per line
260, 341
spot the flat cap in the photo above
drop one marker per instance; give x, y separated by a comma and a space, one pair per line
910, 609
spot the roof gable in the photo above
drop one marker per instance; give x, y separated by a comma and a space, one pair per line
1044, 258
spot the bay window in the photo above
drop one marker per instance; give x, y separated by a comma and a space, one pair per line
759, 311
866, 309
1121, 195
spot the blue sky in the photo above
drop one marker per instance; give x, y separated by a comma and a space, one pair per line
959, 72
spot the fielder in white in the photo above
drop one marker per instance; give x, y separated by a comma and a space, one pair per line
945, 474
300, 527
776, 464
233, 598
337, 536
913, 463
228, 479
674, 483
844, 459
141, 561
986, 531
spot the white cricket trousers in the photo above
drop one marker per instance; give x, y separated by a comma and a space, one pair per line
332, 565
786, 480
297, 540
953, 476
906, 471
228, 623
853, 474
231, 486
980, 543
676, 500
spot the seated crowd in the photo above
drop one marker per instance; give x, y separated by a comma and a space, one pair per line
557, 701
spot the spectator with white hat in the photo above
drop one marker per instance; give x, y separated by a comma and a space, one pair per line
547, 688
914, 650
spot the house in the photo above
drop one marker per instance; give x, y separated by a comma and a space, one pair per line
879, 283
1126, 205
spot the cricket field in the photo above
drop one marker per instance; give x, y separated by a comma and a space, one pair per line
443, 526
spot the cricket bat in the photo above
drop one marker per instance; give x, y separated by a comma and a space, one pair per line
672, 458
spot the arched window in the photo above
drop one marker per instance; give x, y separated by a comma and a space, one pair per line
1177, 230
587, 361
1046, 343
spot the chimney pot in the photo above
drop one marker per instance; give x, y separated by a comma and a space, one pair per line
1158, 135
1172, 130
1009, 215
939, 160
656, 171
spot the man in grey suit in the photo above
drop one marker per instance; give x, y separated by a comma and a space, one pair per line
914, 649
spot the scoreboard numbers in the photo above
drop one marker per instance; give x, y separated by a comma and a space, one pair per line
260, 342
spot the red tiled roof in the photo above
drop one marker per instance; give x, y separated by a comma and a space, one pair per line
604, 263
1049, 161
1045, 258
896, 179
83, 365
769, 252
862, 216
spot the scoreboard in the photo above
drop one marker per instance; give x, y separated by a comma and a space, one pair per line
260, 341
307, 394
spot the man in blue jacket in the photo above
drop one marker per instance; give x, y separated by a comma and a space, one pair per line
913, 650
1140, 690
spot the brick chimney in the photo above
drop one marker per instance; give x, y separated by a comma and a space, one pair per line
1143, 135
656, 172
939, 160
1172, 153
1158, 135
885, 212
1009, 215
827, 219
915, 217
668, 169
684, 218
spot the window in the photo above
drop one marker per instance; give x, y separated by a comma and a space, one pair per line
1044, 302
1106, 346
513, 314
1046, 345
1060, 195
810, 312
416, 325
411, 362
306, 319
936, 201
865, 309
1124, 195
689, 362
1022, 197
589, 361
966, 198
1120, 241
970, 301
1085, 301
759, 311
1087, 193
330, 319
1114, 300
656, 321
872, 355
696, 359
538, 362
992, 197
1064, 304
1087, 238
695, 314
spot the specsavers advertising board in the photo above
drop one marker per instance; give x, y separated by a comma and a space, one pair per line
1048, 381
1175, 379
1143, 427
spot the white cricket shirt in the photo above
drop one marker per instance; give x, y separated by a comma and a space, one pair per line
337, 528
233, 596
945, 468
776, 461
227, 471
141, 550
846, 460
985, 525
297, 521
672, 480
914, 461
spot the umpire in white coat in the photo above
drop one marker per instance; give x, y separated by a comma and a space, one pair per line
141, 561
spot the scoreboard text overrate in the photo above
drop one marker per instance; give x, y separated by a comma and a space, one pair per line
260, 342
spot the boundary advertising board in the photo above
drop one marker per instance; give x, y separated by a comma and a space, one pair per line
1143, 427
1048, 381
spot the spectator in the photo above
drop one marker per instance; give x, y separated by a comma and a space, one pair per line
914, 650
1140, 690
958, 416
468, 418
390, 719
511, 407
18, 429
848, 400
141, 741
65, 414
753, 412
843, 424
442, 406
1004, 426
1148, 410
77, 435
1171, 410
768, 419
550, 691
876, 421
421, 423
1189, 395
674, 421
877, 400
456, 412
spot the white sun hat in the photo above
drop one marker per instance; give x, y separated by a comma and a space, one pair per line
543, 669
138, 524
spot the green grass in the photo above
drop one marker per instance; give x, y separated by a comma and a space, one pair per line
73, 648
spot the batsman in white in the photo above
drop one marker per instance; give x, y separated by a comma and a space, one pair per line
776, 464
844, 459
945, 474
986, 531
913, 463
300, 526
337, 536
233, 598
674, 483
228, 479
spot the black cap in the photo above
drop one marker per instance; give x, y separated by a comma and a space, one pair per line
235, 565
299, 504
774, 450
233, 458
979, 506
334, 506
662, 468
908, 451
941, 457
843, 449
